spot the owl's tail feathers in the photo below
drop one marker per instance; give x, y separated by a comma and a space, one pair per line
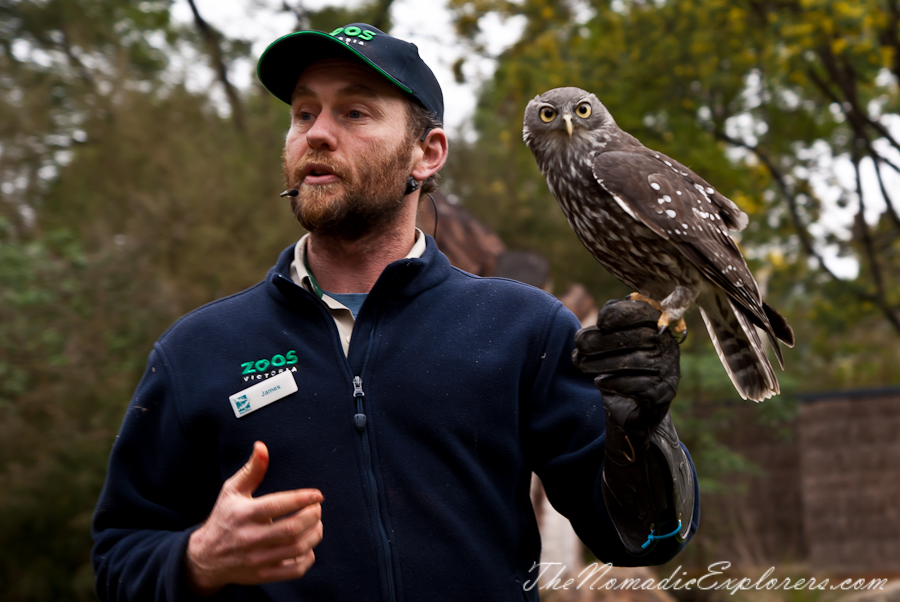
776, 327
780, 326
739, 347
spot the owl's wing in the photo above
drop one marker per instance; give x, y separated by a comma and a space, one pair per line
679, 206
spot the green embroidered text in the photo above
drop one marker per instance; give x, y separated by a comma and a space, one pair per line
355, 32
262, 365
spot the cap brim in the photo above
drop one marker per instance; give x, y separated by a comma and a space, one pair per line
284, 60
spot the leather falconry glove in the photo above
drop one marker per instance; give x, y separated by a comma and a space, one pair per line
648, 485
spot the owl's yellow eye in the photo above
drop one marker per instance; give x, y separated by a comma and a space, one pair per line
583, 110
548, 114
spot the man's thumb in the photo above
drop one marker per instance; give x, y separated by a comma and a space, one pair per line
251, 474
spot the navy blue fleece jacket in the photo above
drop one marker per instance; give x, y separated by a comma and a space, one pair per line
469, 386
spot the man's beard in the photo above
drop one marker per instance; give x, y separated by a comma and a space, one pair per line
372, 194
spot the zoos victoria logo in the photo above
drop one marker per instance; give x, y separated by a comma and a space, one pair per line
264, 368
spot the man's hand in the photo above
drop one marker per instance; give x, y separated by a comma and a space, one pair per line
249, 540
637, 369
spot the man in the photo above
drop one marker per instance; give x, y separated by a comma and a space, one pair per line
380, 391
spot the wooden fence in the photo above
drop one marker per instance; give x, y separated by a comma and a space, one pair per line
828, 494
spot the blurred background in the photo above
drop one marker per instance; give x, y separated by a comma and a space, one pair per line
139, 179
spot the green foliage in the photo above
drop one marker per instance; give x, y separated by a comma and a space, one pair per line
332, 17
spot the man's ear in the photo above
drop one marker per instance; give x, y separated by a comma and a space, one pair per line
433, 154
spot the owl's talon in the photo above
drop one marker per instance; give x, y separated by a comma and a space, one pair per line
679, 326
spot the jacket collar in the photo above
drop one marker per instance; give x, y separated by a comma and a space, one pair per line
404, 278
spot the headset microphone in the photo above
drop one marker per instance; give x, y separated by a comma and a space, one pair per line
291, 192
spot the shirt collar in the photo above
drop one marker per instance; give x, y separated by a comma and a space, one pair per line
302, 276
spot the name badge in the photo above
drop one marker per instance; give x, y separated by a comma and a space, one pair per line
262, 394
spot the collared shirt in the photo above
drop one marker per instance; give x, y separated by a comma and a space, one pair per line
343, 318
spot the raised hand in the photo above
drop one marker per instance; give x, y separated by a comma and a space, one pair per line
249, 540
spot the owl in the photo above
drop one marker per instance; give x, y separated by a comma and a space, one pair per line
659, 228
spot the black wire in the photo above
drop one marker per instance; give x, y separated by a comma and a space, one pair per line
434, 236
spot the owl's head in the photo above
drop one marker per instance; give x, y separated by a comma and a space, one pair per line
561, 117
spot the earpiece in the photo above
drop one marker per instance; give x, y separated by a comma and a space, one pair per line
412, 185
291, 192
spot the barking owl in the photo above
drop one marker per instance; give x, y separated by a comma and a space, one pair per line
659, 228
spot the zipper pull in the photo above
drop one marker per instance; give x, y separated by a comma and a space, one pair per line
359, 419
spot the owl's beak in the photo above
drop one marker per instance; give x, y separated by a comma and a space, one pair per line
568, 120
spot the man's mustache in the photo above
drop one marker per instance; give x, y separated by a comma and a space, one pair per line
336, 168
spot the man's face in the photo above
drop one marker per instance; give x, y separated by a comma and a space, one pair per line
348, 151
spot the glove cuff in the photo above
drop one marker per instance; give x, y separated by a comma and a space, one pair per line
647, 484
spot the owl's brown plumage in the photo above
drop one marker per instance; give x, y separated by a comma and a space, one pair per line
658, 227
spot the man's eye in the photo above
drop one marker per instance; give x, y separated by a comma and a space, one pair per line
304, 116
354, 114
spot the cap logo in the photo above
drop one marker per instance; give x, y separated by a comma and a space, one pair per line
353, 35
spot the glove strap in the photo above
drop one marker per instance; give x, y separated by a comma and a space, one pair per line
651, 537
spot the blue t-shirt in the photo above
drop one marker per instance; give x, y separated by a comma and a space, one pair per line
352, 301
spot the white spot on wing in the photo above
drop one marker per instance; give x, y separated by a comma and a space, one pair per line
654, 185
670, 213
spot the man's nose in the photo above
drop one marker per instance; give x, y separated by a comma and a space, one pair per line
323, 134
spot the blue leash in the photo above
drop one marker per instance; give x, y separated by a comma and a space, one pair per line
651, 537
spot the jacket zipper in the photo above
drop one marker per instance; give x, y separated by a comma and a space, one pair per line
360, 420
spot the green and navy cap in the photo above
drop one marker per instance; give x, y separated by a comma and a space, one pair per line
284, 60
